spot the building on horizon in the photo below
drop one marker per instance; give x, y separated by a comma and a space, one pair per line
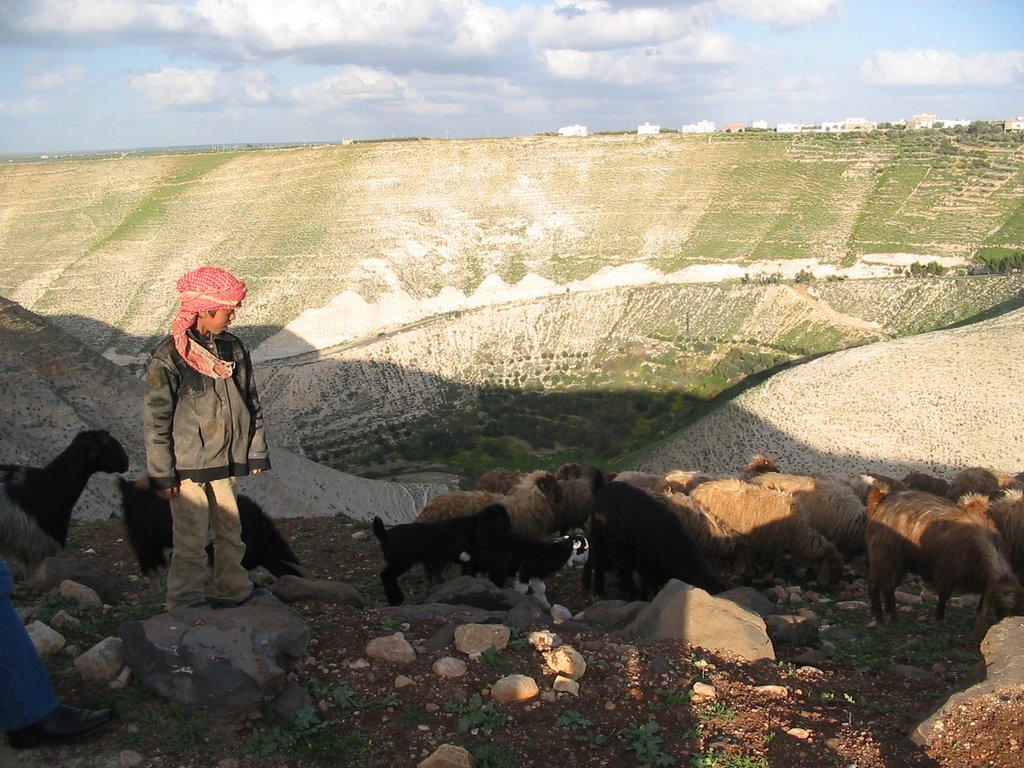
789, 127
734, 128
573, 130
648, 130
922, 121
759, 125
701, 126
1014, 124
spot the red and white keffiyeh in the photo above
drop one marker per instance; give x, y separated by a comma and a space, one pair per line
206, 288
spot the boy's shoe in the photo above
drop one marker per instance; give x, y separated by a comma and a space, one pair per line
62, 725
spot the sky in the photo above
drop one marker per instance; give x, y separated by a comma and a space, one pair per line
88, 75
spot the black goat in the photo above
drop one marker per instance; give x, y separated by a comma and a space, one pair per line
435, 543
148, 526
36, 502
632, 529
502, 553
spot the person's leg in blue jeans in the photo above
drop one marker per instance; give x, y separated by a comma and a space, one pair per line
30, 711
26, 693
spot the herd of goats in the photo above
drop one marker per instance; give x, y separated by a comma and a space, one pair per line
964, 535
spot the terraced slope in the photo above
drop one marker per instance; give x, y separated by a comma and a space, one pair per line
590, 376
95, 244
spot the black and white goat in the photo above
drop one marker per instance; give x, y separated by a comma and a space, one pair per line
36, 502
501, 553
436, 543
148, 526
633, 530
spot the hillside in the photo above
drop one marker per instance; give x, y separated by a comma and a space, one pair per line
51, 388
430, 221
938, 402
425, 307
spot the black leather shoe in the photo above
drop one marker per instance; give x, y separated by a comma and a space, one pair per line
62, 725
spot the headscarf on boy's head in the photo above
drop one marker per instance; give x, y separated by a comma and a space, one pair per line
206, 288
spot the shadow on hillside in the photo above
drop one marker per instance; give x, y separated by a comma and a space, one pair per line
379, 419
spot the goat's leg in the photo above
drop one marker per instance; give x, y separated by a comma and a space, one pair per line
389, 578
940, 606
540, 592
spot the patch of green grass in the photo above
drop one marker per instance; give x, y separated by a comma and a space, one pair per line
179, 732
478, 715
716, 712
644, 743
721, 760
490, 755
320, 742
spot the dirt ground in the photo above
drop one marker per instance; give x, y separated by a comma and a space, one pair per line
635, 705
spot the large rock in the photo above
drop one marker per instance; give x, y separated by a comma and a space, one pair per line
1004, 668
690, 614
226, 660
294, 589
55, 570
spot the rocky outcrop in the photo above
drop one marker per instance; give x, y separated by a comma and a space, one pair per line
1002, 669
229, 660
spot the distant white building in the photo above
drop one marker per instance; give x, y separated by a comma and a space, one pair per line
760, 125
828, 126
859, 124
956, 123
789, 127
648, 130
1014, 124
702, 126
918, 122
573, 130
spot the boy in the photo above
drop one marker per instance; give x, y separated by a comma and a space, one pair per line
203, 428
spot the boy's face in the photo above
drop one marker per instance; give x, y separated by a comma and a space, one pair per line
215, 321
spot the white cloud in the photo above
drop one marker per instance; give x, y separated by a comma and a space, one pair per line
102, 16
782, 13
175, 87
351, 84
454, 29
20, 108
596, 26
929, 67
621, 69
54, 79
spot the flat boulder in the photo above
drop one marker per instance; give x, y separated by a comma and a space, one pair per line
227, 660
689, 614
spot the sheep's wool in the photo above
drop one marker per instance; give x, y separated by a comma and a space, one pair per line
202, 289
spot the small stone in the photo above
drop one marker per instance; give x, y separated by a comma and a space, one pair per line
129, 759
704, 690
394, 648
447, 756
477, 638
566, 685
514, 688
776, 691
449, 667
543, 640
799, 733
403, 681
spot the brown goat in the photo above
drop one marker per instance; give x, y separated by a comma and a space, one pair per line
499, 480
1008, 513
530, 504
769, 525
951, 546
988, 482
